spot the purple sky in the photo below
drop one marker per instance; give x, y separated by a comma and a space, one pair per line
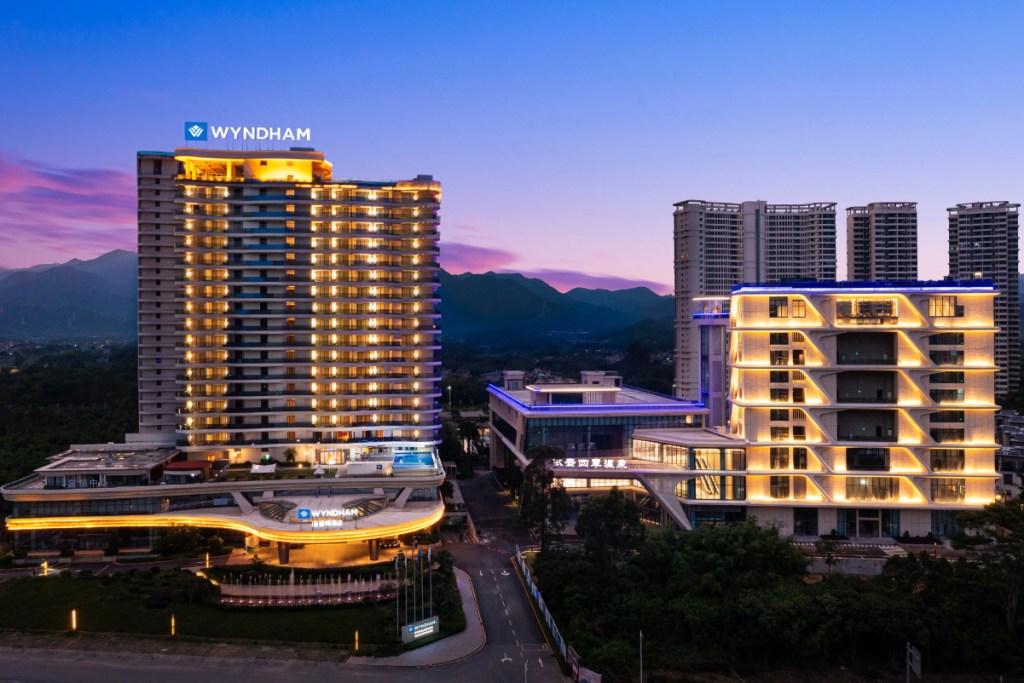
563, 133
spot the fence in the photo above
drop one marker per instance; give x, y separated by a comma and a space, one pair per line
541, 607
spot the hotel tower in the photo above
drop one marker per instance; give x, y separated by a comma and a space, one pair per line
283, 310
288, 365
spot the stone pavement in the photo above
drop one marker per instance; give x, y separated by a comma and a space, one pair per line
447, 650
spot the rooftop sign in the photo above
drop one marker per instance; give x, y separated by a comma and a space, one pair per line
201, 131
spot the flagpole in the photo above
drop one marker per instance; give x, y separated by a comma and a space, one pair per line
398, 600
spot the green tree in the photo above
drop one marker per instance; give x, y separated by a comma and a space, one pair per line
611, 528
1003, 523
544, 506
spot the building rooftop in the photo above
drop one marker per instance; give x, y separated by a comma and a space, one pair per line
623, 398
111, 459
699, 438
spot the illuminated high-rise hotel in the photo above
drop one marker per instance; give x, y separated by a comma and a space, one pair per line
283, 311
285, 318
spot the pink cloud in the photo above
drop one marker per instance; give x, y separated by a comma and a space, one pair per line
462, 258
564, 280
51, 213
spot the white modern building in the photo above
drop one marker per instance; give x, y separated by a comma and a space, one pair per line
863, 408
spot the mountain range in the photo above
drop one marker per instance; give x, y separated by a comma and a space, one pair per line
97, 299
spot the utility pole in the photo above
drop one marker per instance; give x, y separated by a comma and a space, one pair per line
641, 656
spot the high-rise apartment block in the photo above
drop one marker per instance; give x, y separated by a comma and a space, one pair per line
881, 241
719, 245
983, 245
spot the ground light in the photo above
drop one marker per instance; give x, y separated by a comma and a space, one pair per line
74, 620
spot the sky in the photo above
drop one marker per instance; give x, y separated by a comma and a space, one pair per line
562, 132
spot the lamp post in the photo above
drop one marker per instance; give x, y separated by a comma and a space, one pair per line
641, 656
449, 398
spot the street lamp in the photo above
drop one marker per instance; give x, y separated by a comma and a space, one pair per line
449, 398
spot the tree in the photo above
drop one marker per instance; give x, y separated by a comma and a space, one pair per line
611, 528
543, 505
1002, 523
827, 547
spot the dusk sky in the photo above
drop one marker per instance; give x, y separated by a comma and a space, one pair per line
562, 132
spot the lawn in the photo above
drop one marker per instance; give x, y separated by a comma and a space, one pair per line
45, 604
142, 602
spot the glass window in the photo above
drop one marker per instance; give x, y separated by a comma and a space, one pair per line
948, 377
778, 487
706, 459
778, 307
946, 357
944, 307
779, 414
799, 433
871, 488
779, 357
799, 458
799, 308
780, 433
805, 522
947, 416
779, 458
947, 435
776, 376
947, 339
947, 460
778, 338
779, 395
735, 459
948, 490
798, 394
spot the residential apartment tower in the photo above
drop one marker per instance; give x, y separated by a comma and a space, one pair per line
983, 245
881, 241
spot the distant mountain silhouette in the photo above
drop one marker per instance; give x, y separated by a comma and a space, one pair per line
97, 298
508, 307
77, 299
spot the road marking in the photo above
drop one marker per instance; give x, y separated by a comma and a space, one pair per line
541, 662
481, 572
504, 572
506, 658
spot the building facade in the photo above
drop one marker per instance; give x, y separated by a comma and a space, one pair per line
867, 409
286, 318
719, 245
881, 242
983, 244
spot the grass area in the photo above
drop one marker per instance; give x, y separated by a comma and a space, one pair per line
142, 602
45, 604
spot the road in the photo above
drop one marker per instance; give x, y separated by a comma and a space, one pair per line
515, 649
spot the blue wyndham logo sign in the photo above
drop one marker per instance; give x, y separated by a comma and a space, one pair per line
195, 130
305, 513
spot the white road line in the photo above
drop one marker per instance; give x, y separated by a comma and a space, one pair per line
541, 662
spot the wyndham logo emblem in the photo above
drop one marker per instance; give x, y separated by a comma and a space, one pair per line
195, 130
305, 514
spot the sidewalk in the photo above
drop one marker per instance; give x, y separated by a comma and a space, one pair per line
450, 649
